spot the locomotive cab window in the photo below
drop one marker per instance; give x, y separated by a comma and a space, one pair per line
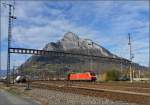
93, 74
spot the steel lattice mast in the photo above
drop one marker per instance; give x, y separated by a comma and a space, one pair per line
9, 41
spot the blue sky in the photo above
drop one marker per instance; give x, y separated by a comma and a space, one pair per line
105, 22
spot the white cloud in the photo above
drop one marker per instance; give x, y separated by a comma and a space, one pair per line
38, 24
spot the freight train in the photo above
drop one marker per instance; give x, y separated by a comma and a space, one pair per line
87, 76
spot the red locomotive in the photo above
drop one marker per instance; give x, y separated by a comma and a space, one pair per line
87, 76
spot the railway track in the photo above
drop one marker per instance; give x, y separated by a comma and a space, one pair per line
132, 97
104, 91
124, 84
102, 86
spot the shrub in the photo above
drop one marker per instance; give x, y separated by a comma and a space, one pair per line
112, 75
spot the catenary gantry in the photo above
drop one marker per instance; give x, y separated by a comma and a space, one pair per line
64, 53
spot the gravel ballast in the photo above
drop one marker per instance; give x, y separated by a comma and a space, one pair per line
61, 98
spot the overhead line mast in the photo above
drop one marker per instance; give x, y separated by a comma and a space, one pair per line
9, 40
131, 57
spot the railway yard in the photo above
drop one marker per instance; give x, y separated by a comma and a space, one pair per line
136, 93
75, 53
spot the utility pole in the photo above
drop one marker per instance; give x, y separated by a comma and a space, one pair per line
91, 62
139, 74
121, 66
13, 74
9, 41
131, 57
89, 53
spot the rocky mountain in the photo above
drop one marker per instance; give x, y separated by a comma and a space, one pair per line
62, 64
71, 41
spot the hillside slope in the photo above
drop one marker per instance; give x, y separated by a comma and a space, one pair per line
62, 64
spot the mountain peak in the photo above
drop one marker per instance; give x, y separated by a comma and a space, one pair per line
71, 41
71, 36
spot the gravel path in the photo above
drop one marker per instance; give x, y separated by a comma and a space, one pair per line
61, 98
